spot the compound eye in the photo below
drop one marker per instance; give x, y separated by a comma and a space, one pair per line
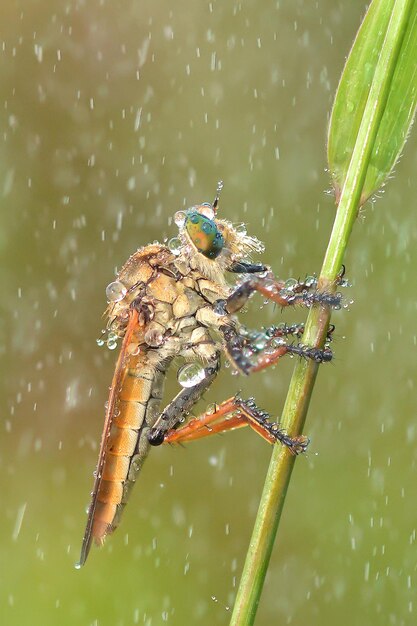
204, 234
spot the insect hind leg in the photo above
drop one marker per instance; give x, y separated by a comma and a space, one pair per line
236, 413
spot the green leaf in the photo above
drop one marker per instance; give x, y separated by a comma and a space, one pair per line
398, 106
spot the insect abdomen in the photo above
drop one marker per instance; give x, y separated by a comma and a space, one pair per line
127, 446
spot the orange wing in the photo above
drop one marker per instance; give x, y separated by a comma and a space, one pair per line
90, 532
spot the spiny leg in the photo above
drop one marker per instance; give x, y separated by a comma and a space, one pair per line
236, 413
252, 353
272, 346
181, 404
295, 330
243, 267
319, 355
283, 293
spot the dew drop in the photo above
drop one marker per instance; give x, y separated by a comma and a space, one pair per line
179, 218
260, 343
310, 281
191, 374
290, 284
115, 291
207, 210
241, 229
133, 349
154, 337
112, 341
175, 245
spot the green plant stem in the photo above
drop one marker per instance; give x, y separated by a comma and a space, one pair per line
302, 382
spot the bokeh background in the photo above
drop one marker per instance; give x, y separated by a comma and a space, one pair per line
115, 114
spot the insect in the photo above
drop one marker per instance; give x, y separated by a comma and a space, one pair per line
171, 301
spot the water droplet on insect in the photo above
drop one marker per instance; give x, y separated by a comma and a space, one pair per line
241, 229
310, 281
154, 337
133, 349
112, 341
207, 211
191, 374
290, 284
175, 245
179, 218
100, 341
116, 291
260, 343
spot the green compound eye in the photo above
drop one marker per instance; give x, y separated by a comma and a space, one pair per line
204, 234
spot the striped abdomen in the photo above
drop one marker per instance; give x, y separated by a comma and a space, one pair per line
135, 410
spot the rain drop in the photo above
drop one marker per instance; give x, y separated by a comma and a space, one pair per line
154, 337
290, 284
112, 341
175, 245
207, 210
260, 343
179, 218
116, 291
191, 374
310, 281
133, 349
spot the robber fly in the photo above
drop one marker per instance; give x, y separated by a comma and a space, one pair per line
172, 301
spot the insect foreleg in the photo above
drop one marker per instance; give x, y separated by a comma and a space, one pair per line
181, 404
283, 293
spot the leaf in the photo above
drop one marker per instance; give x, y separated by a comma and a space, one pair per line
353, 91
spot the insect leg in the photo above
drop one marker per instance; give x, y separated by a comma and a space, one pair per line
247, 357
242, 267
296, 330
300, 292
181, 404
266, 359
236, 413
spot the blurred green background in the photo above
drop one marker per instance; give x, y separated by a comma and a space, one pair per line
115, 115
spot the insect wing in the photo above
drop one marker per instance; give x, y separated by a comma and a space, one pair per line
110, 413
